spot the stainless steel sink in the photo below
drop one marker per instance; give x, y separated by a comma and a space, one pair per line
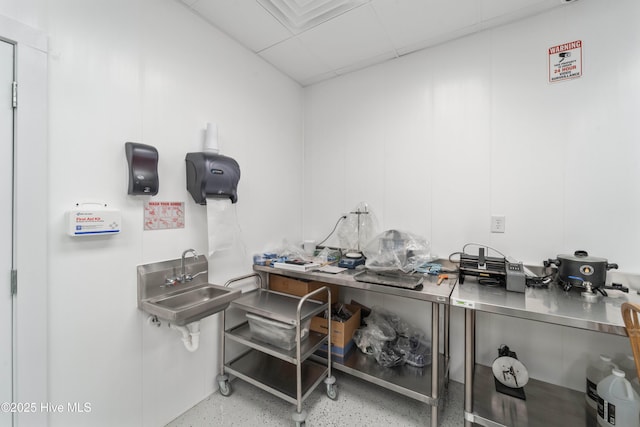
194, 303
191, 297
181, 303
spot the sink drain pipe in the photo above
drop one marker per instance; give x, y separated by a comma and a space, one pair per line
190, 335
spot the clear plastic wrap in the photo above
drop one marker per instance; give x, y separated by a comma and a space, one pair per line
291, 251
392, 341
416, 350
397, 250
358, 228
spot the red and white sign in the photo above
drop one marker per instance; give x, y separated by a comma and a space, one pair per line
565, 61
163, 215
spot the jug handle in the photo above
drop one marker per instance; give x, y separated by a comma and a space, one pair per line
629, 389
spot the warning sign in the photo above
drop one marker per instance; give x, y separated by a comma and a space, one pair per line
565, 61
163, 215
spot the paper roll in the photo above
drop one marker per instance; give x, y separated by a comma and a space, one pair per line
211, 138
222, 224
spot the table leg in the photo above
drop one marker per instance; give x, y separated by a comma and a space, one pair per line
469, 362
435, 357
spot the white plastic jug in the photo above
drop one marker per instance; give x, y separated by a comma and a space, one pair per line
627, 363
596, 372
618, 403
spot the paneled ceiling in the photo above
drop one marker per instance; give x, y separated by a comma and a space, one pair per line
315, 40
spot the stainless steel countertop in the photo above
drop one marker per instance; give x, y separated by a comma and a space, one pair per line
430, 290
552, 305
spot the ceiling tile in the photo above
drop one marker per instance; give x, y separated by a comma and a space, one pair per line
413, 22
293, 59
501, 12
492, 9
348, 39
245, 21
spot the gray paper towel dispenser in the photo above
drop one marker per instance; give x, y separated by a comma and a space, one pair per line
212, 175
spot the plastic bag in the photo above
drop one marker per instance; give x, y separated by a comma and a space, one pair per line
415, 349
392, 341
289, 250
397, 250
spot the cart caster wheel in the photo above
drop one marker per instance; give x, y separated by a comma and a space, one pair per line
299, 418
224, 388
332, 392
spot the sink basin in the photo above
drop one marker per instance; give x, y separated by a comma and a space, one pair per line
188, 305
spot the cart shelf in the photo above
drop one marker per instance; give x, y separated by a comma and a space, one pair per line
275, 375
242, 334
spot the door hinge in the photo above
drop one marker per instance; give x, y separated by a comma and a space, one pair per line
14, 96
14, 282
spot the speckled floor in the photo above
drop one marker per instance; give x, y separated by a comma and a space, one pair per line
359, 404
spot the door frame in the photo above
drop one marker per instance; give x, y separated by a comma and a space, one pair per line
31, 218
12, 244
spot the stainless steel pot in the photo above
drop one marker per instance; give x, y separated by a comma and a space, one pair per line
580, 267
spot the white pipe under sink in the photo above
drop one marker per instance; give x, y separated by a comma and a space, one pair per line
190, 334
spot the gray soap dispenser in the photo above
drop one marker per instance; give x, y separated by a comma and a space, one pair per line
143, 169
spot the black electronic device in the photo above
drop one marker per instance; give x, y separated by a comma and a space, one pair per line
496, 271
143, 169
351, 260
515, 278
584, 272
491, 269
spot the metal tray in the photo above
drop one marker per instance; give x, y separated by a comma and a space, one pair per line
390, 278
277, 306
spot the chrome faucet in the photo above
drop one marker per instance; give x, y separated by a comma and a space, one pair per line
183, 276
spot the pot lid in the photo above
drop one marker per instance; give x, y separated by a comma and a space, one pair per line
581, 256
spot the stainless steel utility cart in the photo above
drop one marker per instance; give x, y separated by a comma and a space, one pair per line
286, 373
425, 385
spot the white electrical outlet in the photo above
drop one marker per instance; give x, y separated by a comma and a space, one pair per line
497, 223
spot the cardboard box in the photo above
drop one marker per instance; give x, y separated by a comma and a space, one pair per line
300, 288
338, 354
341, 332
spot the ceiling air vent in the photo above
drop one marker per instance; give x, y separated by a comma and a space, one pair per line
300, 15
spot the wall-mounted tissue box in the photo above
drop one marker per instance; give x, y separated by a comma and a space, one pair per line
212, 175
143, 169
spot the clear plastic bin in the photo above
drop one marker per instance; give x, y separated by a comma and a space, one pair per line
276, 333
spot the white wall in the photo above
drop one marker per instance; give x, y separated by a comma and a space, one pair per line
438, 141
153, 72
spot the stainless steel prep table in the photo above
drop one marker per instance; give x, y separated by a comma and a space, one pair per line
546, 404
425, 385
